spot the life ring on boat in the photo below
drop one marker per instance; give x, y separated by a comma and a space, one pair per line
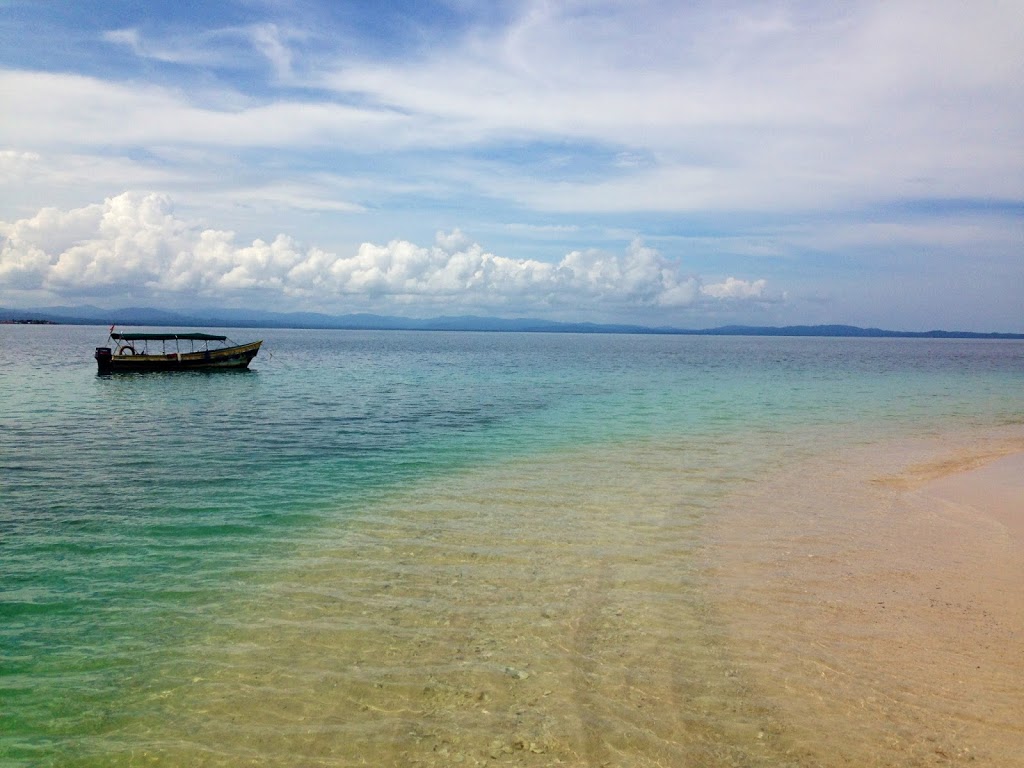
127, 349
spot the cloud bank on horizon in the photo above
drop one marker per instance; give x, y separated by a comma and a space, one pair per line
652, 161
133, 246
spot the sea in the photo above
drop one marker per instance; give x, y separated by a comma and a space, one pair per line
393, 548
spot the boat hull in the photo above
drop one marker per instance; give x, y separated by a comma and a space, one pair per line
215, 359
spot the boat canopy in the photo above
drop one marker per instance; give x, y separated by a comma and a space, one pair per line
167, 336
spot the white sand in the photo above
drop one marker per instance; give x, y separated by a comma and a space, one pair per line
882, 615
994, 492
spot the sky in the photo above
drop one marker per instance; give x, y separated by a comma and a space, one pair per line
691, 164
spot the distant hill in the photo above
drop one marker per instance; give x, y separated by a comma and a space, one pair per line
246, 318
847, 331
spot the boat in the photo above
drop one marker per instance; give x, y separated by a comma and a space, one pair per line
140, 352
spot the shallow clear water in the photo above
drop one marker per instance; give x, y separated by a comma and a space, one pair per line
411, 548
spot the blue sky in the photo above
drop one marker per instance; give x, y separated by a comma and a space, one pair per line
691, 164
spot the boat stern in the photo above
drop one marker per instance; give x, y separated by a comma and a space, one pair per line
103, 358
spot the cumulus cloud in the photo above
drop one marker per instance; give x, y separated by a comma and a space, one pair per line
134, 245
732, 288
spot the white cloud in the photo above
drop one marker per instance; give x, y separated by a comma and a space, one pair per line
735, 105
228, 47
15, 166
57, 110
267, 38
825, 135
452, 241
732, 288
134, 246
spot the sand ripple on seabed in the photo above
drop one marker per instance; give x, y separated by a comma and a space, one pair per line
534, 615
884, 626
578, 614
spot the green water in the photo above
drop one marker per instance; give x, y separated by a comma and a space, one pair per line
308, 562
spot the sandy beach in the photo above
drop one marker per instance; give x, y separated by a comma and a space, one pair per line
880, 614
995, 491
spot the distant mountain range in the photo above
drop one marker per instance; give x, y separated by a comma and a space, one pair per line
246, 318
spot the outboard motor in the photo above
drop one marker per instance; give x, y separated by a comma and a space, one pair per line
103, 356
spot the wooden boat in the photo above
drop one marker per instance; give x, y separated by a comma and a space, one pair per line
137, 352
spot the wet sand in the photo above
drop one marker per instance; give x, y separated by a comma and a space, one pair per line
881, 614
995, 491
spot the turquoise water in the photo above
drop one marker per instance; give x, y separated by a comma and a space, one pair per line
193, 564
